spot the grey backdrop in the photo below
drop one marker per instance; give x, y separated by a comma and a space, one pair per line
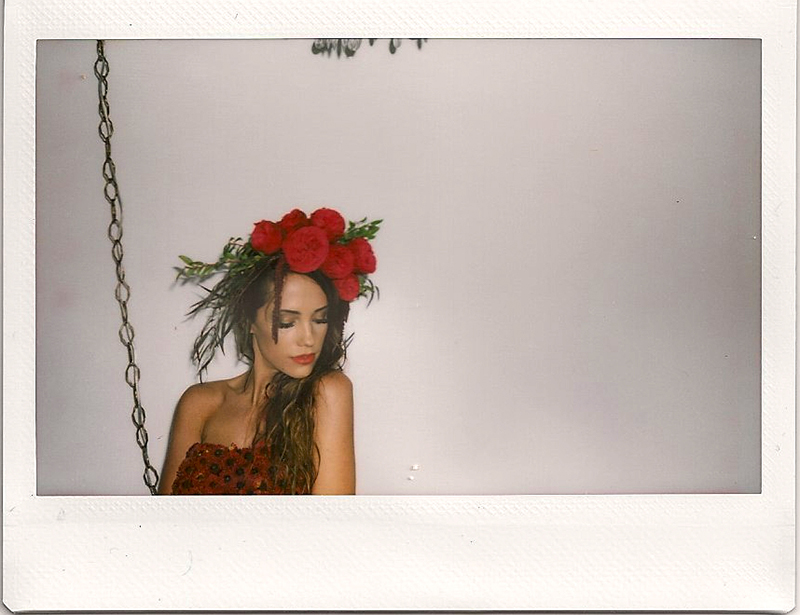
569, 267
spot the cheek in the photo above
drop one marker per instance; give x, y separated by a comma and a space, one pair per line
284, 341
267, 345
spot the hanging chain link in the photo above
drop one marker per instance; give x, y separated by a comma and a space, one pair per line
122, 291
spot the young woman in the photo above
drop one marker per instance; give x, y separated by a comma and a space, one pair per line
285, 425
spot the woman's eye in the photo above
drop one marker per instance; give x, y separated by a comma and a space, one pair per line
286, 325
321, 321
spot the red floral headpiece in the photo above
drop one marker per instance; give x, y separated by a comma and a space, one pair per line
320, 242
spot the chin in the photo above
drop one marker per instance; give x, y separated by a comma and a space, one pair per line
299, 371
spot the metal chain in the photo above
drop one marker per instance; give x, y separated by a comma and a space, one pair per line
122, 291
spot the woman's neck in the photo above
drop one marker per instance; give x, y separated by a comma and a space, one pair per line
257, 381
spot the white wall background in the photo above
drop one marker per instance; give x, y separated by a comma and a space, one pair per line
569, 267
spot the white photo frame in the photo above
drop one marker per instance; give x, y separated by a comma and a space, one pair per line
598, 552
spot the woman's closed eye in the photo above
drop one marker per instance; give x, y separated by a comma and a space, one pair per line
316, 321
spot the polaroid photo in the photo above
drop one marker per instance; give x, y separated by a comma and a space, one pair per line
556, 241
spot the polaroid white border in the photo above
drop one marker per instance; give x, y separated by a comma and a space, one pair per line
676, 552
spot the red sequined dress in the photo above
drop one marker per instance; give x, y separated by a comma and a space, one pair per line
215, 469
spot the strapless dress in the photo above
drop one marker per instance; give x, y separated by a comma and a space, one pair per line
216, 469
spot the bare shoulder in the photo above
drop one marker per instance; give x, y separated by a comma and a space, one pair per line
334, 388
195, 406
201, 399
334, 398
333, 436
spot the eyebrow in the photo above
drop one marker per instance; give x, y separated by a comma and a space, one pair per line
296, 313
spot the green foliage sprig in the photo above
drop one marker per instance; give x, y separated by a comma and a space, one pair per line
237, 255
362, 228
367, 230
349, 46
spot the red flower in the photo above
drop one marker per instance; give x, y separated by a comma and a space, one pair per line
330, 221
266, 237
365, 257
306, 249
348, 288
340, 262
294, 220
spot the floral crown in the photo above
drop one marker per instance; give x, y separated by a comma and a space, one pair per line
300, 243
319, 242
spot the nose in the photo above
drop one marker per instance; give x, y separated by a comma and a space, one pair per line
306, 337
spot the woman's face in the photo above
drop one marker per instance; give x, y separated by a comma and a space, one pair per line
303, 324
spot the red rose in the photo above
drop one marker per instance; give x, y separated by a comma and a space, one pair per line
348, 288
339, 264
330, 221
306, 249
365, 257
294, 220
266, 237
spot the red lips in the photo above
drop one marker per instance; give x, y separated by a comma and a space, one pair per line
304, 359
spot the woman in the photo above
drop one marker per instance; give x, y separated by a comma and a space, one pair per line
284, 426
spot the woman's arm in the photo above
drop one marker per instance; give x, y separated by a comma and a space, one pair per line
187, 428
333, 435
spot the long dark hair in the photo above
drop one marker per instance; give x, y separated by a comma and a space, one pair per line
286, 423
